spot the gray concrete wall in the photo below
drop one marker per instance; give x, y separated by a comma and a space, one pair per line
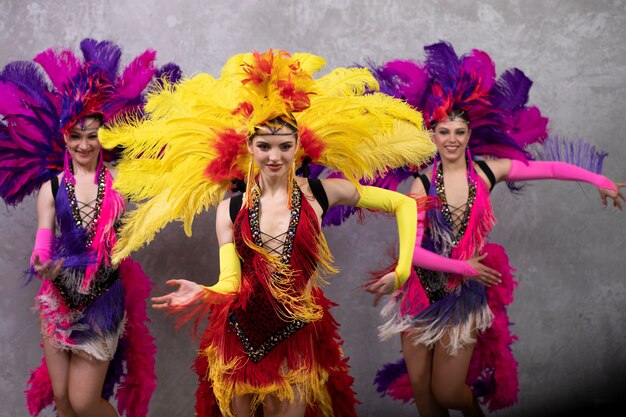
569, 253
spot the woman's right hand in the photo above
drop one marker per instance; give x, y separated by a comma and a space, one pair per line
486, 276
186, 293
47, 270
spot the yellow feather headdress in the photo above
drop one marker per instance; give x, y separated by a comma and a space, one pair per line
182, 156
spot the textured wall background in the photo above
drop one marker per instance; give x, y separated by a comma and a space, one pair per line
569, 312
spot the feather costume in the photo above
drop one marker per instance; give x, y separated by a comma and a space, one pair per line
503, 126
275, 332
92, 306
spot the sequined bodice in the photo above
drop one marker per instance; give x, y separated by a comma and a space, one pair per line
86, 215
77, 223
435, 283
282, 244
456, 217
257, 322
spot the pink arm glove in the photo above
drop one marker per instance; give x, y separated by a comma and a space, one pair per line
434, 262
537, 170
44, 239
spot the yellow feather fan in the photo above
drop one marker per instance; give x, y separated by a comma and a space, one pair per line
181, 157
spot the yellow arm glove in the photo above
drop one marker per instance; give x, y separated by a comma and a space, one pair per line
230, 271
405, 210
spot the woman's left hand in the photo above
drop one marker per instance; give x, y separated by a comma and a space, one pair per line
186, 294
47, 270
612, 194
384, 286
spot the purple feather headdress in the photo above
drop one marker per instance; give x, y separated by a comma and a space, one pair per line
42, 99
503, 126
502, 123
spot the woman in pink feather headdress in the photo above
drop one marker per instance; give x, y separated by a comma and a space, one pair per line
93, 314
451, 313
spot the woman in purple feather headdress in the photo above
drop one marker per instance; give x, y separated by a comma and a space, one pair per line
451, 313
93, 315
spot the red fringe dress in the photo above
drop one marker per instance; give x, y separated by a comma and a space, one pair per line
277, 333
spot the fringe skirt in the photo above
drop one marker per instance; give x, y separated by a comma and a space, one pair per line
243, 353
113, 328
469, 309
94, 328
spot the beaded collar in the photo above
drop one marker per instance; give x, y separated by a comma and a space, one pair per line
284, 249
77, 211
461, 222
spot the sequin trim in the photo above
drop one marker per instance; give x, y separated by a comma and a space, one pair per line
445, 208
434, 284
78, 220
105, 278
257, 353
296, 204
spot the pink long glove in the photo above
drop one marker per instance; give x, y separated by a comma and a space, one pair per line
537, 170
434, 262
44, 239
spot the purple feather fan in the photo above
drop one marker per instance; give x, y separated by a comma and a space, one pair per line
578, 152
43, 98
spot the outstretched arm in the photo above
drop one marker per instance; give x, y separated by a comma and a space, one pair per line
189, 292
514, 170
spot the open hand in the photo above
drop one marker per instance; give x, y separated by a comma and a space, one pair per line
384, 286
47, 270
186, 293
616, 196
486, 276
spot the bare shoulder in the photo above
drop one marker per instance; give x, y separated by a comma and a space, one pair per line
500, 167
223, 208
45, 193
112, 169
417, 187
340, 191
303, 183
223, 224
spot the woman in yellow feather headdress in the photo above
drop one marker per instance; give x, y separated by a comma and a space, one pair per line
271, 340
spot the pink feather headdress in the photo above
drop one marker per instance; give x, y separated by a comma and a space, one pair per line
42, 99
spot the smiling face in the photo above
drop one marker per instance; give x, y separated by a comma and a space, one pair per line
451, 138
274, 149
82, 141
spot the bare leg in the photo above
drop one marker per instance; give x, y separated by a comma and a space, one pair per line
242, 407
419, 361
449, 375
86, 381
58, 363
273, 407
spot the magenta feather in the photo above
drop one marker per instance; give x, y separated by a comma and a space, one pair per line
527, 126
60, 66
406, 80
493, 366
479, 66
137, 75
39, 393
105, 237
137, 387
34, 114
